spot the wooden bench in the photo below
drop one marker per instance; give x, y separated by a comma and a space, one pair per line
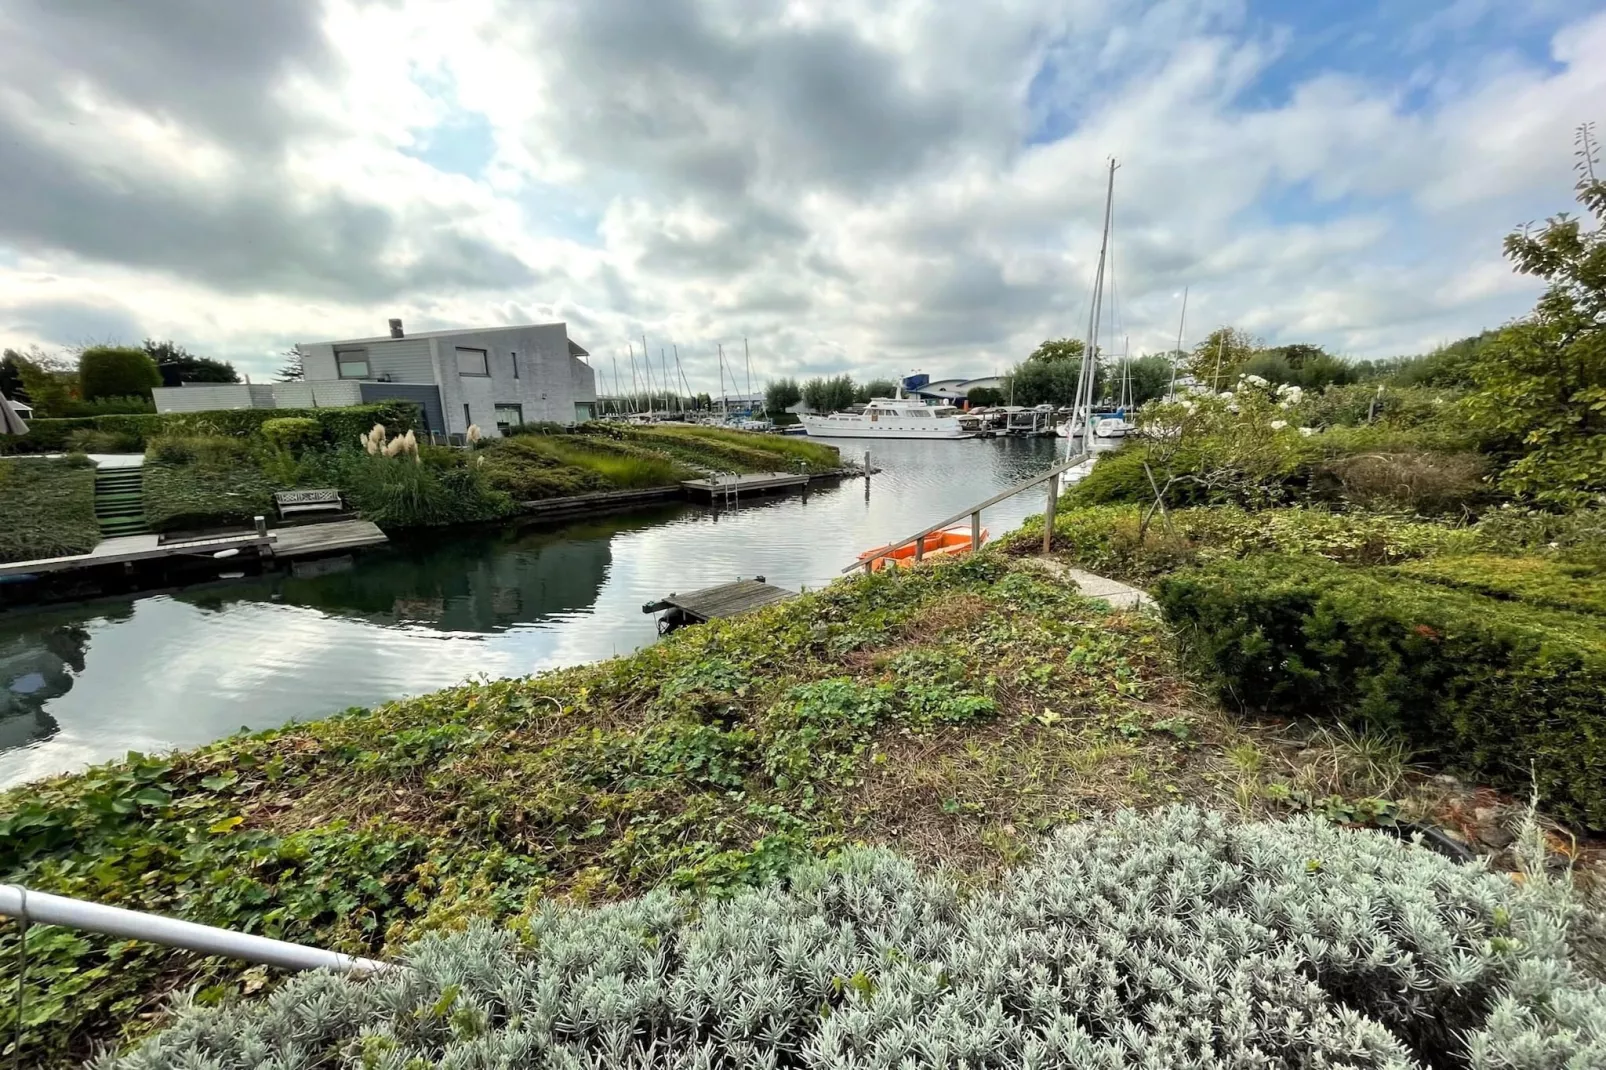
291, 502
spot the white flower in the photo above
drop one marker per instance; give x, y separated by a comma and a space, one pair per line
1307, 431
1278, 425
1255, 380
1232, 406
1226, 393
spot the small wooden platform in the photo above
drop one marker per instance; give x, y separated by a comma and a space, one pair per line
308, 540
124, 549
716, 603
753, 483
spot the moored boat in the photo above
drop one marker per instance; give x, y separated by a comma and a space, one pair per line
898, 417
949, 541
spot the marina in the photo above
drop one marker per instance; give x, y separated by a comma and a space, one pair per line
87, 681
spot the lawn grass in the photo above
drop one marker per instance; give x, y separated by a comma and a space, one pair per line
47, 508
953, 711
774, 451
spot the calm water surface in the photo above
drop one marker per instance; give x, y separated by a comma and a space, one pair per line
83, 683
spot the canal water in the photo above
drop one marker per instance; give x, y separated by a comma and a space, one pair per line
87, 682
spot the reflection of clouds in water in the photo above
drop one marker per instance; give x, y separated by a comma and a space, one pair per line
180, 670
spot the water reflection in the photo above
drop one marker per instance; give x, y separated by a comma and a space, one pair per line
89, 682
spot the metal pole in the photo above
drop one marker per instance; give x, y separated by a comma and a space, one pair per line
724, 409
646, 363
1176, 354
1220, 350
46, 909
748, 358
1048, 513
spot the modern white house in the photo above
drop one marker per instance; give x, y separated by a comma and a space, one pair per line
489, 377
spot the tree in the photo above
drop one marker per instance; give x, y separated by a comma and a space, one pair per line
11, 376
984, 396
178, 365
829, 395
781, 395
1051, 382
1216, 361
1059, 350
1541, 382
875, 388
1306, 366
1150, 379
292, 370
49, 380
116, 371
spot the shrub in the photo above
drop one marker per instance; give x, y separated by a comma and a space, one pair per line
293, 433
47, 508
399, 492
1415, 480
1538, 581
1368, 403
197, 449
1175, 939
108, 406
88, 440
206, 494
116, 372
1579, 535
1504, 689
1105, 538
340, 426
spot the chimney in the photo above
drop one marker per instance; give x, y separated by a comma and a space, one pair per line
395, 329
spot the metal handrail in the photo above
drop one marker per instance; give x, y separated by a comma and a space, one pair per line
975, 511
46, 909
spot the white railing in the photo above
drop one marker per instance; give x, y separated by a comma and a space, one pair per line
1051, 477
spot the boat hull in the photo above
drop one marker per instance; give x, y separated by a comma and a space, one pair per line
827, 427
950, 542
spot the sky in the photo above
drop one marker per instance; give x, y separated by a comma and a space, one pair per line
875, 187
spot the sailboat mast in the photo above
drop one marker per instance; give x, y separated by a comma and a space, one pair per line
1176, 354
684, 385
1084, 401
635, 380
747, 357
615, 383
724, 409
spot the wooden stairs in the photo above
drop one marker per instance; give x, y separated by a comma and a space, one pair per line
119, 501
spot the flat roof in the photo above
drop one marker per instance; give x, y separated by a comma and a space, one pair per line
574, 348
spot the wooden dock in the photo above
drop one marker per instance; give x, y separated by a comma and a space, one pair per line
307, 540
126, 549
754, 483
715, 603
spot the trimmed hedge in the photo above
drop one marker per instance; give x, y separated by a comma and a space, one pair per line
1538, 581
1495, 686
340, 426
47, 508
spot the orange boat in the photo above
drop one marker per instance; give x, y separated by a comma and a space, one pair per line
951, 541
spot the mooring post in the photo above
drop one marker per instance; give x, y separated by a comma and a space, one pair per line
1048, 512
261, 525
867, 466
920, 548
975, 531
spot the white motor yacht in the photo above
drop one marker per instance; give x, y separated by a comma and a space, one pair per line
898, 417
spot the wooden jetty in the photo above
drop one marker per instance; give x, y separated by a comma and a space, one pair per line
332, 536
127, 549
715, 603
754, 483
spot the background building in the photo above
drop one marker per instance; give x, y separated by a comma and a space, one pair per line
492, 377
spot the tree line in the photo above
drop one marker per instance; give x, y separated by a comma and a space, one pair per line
102, 379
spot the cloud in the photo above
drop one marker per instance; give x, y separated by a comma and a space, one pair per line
855, 187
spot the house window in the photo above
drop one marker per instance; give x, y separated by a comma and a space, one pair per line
468, 421
509, 415
514, 356
583, 411
472, 362
352, 363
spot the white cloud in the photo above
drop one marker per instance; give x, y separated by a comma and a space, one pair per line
849, 186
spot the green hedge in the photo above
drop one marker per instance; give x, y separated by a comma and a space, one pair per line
47, 508
340, 426
1538, 581
1495, 686
187, 497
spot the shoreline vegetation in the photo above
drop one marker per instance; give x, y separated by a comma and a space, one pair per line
958, 812
202, 472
